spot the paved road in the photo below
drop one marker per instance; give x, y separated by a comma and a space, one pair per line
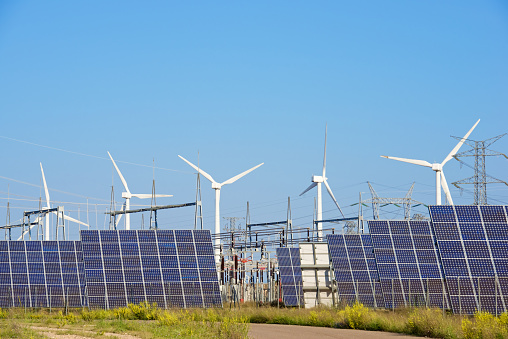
275, 331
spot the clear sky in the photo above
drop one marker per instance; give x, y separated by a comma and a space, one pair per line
245, 83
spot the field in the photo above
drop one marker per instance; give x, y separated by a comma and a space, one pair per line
147, 321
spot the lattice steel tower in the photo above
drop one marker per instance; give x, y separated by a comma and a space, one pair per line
376, 202
480, 179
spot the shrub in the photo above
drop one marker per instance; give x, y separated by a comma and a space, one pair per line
485, 325
429, 323
356, 315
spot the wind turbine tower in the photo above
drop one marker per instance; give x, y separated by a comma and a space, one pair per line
217, 187
317, 180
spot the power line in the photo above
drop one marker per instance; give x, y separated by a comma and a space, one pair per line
90, 155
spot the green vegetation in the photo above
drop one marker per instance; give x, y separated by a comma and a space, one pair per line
147, 321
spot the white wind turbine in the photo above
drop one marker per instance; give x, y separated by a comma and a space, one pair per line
438, 168
217, 186
316, 181
128, 195
48, 206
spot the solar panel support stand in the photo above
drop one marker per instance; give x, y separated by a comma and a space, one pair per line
479, 296
427, 295
409, 288
495, 288
460, 301
67, 302
443, 297
393, 300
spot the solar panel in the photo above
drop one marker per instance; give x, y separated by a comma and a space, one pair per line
41, 274
473, 243
290, 275
172, 268
408, 263
355, 270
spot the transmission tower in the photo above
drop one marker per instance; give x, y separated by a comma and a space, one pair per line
480, 179
198, 213
376, 202
232, 224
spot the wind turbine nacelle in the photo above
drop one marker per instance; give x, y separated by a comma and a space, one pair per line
216, 185
126, 195
437, 167
317, 178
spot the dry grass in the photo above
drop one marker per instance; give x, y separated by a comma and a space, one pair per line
147, 321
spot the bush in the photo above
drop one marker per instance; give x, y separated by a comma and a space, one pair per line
356, 315
485, 325
429, 323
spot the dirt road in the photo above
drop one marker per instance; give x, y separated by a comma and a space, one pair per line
274, 331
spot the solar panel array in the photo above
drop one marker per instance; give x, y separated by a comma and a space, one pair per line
290, 275
167, 267
41, 274
408, 263
473, 243
355, 270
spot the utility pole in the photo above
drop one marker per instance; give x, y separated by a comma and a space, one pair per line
479, 150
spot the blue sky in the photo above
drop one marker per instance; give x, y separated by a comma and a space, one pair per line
244, 83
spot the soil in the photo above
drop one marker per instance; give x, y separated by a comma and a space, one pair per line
274, 331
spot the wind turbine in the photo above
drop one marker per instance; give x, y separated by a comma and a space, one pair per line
48, 206
128, 195
316, 181
438, 168
217, 186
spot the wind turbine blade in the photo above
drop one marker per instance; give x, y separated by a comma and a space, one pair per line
120, 215
455, 150
203, 173
38, 219
446, 189
120, 174
66, 217
148, 196
118, 219
333, 197
324, 157
411, 161
46, 192
236, 177
314, 184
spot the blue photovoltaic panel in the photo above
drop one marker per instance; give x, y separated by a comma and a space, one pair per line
408, 263
473, 243
173, 268
290, 275
355, 270
41, 273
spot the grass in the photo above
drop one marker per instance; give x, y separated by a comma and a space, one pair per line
147, 321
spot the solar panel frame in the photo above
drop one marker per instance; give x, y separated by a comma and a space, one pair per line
366, 288
41, 274
470, 246
290, 276
401, 247
140, 274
